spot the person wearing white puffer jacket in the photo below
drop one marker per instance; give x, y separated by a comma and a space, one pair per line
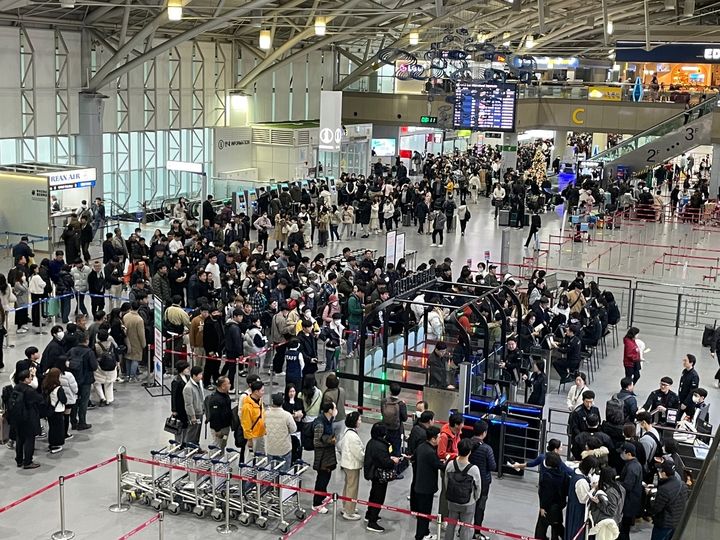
352, 457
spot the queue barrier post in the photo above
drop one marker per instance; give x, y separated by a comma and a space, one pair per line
63, 533
161, 525
439, 526
227, 527
119, 506
334, 515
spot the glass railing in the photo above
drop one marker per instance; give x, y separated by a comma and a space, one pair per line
659, 130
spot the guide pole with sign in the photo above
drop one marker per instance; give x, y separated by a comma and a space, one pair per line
157, 356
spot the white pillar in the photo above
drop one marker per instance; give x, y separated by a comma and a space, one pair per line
715, 171
560, 144
509, 151
599, 143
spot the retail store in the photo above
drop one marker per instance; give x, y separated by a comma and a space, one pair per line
684, 67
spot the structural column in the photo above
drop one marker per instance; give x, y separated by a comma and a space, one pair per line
714, 186
89, 142
509, 151
560, 145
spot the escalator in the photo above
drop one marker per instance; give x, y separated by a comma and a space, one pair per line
668, 139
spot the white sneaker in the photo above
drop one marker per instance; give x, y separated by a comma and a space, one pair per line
440, 245
430, 537
320, 509
433, 245
351, 517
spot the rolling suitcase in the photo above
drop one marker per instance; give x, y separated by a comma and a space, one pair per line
406, 219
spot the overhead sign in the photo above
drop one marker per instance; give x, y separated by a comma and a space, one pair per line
331, 131
576, 118
428, 119
605, 93
233, 149
400, 246
68, 179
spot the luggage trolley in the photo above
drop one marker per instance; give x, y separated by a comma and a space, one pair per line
259, 468
284, 500
142, 486
175, 480
196, 495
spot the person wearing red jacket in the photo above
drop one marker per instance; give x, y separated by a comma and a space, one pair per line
447, 450
631, 355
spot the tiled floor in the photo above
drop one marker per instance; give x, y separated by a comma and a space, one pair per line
136, 420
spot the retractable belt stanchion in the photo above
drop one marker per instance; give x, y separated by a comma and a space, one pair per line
119, 507
439, 526
334, 515
63, 533
227, 527
161, 526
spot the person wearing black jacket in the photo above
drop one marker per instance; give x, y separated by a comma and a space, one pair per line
27, 427
631, 479
177, 401
213, 343
377, 458
52, 351
425, 479
669, 503
308, 348
83, 364
660, 400
483, 457
418, 435
96, 288
689, 381
233, 345
577, 423
219, 408
538, 383
571, 346
552, 491
535, 224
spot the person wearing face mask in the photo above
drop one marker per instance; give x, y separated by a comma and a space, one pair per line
332, 336
308, 347
53, 350
255, 341
306, 315
213, 342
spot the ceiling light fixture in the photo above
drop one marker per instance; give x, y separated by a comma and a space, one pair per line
482, 37
175, 10
320, 26
67, 3
529, 41
265, 41
414, 38
610, 28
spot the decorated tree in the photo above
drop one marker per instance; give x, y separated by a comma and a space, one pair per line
539, 166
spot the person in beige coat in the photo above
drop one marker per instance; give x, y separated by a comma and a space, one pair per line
135, 332
352, 458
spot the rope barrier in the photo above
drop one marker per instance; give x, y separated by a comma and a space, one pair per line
140, 527
299, 526
56, 483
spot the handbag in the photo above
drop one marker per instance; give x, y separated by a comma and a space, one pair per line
173, 425
384, 476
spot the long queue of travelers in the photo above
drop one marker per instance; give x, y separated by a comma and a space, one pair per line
231, 298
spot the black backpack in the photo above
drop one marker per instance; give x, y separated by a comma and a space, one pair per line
613, 313
107, 360
615, 409
16, 411
460, 484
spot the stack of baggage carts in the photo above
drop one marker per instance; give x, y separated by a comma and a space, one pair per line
186, 478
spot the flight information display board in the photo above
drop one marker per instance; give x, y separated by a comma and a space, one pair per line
487, 106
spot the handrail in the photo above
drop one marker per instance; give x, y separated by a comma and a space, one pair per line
685, 114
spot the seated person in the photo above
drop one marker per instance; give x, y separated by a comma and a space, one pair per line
570, 361
512, 363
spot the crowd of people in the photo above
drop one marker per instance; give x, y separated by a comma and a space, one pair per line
236, 308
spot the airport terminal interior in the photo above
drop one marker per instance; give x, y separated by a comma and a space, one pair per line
285, 268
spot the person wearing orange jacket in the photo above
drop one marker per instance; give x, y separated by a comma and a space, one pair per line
447, 450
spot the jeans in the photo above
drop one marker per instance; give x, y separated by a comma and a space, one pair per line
97, 303
287, 458
80, 303
65, 309
378, 490
321, 483
481, 503
354, 330
331, 356
662, 533
79, 411
435, 234
131, 367
460, 512
334, 233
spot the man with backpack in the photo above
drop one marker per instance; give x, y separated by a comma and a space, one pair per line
83, 364
621, 407
23, 415
252, 416
447, 450
394, 412
649, 446
463, 486
218, 408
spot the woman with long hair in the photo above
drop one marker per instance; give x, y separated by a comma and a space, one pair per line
56, 401
294, 405
22, 293
606, 506
631, 355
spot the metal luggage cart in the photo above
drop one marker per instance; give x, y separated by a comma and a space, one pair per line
194, 495
258, 468
140, 486
166, 483
287, 500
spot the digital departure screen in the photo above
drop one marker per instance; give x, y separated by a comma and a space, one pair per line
485, 106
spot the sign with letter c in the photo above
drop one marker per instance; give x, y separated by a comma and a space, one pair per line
576, 119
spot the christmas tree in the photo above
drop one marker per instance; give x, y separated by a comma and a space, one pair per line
539, 166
